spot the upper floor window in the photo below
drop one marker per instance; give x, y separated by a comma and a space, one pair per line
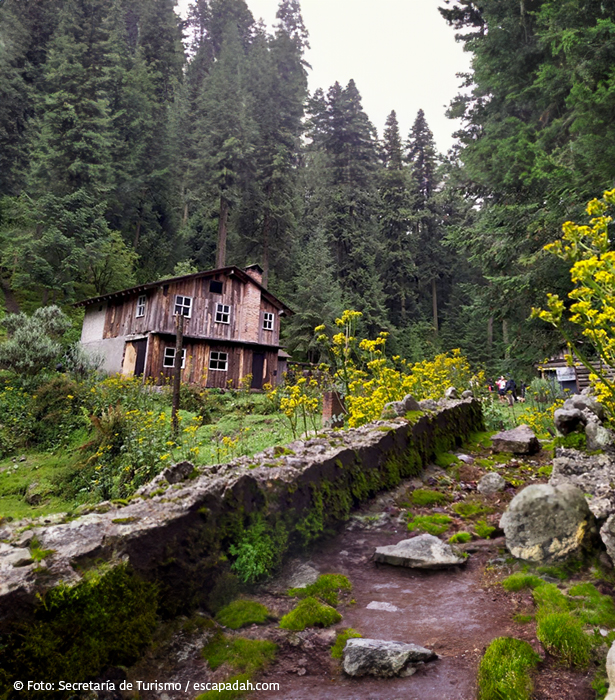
141, 306
268, 319
216, 287
183, 306
218, 360
223, 313
169, 357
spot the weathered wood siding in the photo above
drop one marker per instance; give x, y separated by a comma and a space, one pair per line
247, 309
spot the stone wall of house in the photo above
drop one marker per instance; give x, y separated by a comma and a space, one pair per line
177, 531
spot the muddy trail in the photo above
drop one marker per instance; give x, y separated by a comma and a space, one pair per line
454, 612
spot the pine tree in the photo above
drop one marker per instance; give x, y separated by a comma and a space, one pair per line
396, 217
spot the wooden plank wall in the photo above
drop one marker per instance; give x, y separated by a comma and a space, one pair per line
121, 320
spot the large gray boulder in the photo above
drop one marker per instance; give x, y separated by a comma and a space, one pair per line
422, 552
584, 403
428, 405
598, 437
607, 534
377, 657
490, 483
521, 440
610, 672
545, 523
592, 474
410, 403
393, 409
567, 420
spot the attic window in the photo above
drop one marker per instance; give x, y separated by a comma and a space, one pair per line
169, 357
223, 313
268, 321
141, 306
165, 289
216, 287
183, 306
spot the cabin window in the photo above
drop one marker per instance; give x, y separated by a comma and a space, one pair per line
216, 287
183, 306
169, 357
223, 313
141, 306
218, 361
267, 321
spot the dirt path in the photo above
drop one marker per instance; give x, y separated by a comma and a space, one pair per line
447, 611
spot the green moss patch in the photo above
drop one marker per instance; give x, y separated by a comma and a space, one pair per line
241, 613
470, 509
483, 529
243, 655
460, 537
326, 587
310, 613
562, 635
337, 650
427, 497
446, 460
505, 670
592, 607
435, 524
519, 581
576, 441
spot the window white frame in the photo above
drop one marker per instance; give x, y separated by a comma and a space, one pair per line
141, 306
218, 361
183, 306
223, 313
268, 321
169, 357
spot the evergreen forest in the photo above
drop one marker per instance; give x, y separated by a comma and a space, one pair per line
136, 145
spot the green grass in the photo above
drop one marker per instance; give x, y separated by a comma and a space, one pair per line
483, 530
51, 471
337, 650
445, 460
519, 581
460, 537
470, 509
477, 440
435, 524
310, 613
577, 441
241, 613
228, 692
504, 672
326, 587
522, 619
549, 598
562, 635
243, 655
593, 608
427, 497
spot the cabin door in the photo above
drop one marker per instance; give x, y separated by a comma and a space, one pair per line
258, 363
141, 348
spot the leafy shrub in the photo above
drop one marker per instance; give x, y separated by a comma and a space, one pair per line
57, 410
241, 613
337, 650
17, 425
259, 552
310, 613
325, 587
434, 524
426, 497
519, 580
504, 670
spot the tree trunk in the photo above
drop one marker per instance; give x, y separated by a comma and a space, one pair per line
135, 243
266, 231
434, 301
222, 233
177, 371
490, 337
505, 339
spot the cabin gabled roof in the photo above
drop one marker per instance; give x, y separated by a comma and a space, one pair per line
230, 271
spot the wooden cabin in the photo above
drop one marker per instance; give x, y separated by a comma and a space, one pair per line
231, 328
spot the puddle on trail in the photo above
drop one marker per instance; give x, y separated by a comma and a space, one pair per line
446, 611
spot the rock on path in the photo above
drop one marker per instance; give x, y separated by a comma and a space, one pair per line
422, 552
377, 657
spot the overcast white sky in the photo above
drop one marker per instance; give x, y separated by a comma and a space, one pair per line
401, 54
